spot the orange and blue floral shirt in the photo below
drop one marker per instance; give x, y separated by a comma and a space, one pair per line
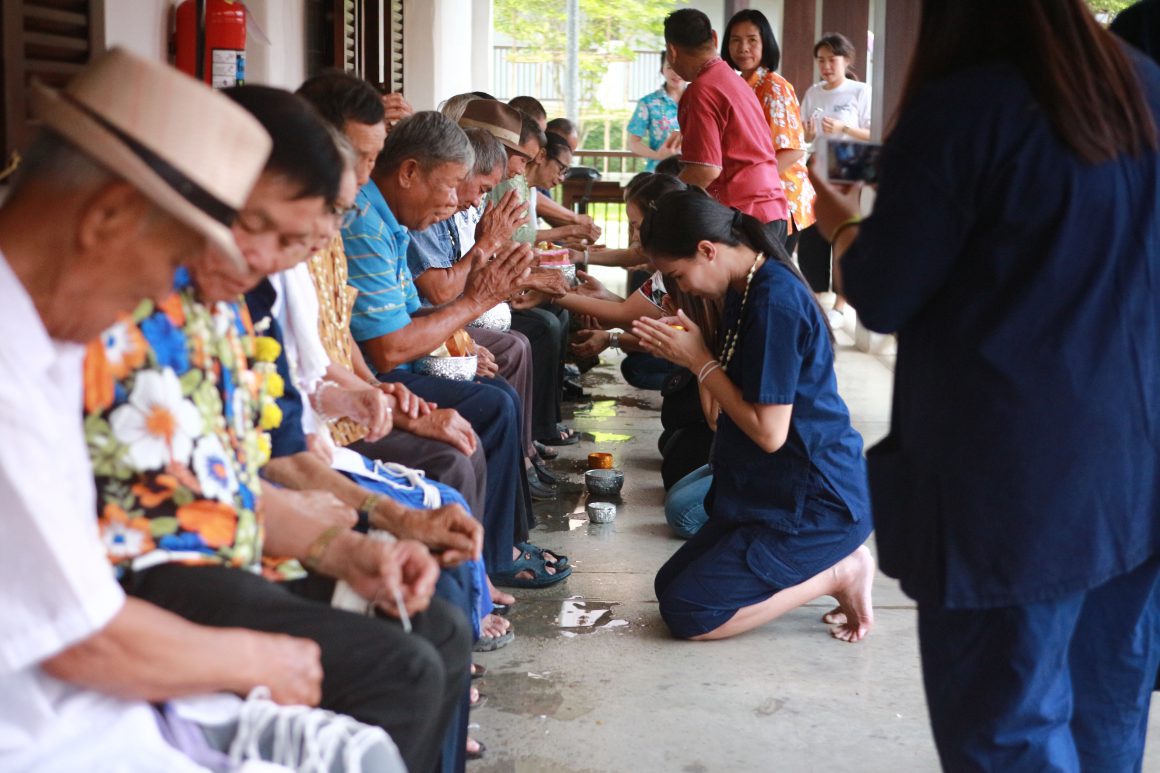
179, 399
783, 112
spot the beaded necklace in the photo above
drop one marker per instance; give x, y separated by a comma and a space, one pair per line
733, 335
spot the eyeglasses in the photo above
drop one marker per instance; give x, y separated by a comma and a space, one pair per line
344, 216
561, 167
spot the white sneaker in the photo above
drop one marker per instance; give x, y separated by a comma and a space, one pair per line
837, 318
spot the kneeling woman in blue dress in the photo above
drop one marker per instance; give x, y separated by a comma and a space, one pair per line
789, 508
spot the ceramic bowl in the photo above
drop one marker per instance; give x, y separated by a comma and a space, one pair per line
599, 460
498, 318
455, 368
604, 483
601, 512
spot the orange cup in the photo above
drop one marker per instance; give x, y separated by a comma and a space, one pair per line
599, 460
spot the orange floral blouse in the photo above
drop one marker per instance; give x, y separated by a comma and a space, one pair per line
783, 112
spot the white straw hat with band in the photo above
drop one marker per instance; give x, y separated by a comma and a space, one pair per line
192, 151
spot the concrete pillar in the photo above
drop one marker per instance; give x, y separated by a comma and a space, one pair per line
481, 43
438, 50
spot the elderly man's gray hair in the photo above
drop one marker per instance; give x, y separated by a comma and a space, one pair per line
489, 152
429, 138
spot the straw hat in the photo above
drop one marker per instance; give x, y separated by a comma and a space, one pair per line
193, 152
502, 122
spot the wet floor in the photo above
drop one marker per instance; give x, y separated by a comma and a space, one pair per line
593, 682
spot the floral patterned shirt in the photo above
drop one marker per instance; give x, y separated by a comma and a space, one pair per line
178, 399
653, 121
783, 112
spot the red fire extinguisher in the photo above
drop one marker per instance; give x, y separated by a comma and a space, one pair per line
215, 30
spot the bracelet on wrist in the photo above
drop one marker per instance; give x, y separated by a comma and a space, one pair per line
614, 340
848, 223
707, 369
316, 402
318, 548
368, 505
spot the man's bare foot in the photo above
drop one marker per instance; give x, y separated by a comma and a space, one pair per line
498, 596
854, 616
494, 626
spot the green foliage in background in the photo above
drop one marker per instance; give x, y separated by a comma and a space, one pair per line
1110, 7
609, 31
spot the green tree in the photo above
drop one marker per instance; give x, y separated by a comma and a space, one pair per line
1110, 7
609, 31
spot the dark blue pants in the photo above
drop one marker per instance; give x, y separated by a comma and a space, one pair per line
1059, 685
493, 409
644, 371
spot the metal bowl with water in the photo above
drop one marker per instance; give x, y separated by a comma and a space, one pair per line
456, 368
604, 483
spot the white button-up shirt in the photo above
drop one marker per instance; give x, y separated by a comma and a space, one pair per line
56, 585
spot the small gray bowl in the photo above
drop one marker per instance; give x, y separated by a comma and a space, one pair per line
604, 483
456, 368
601, 512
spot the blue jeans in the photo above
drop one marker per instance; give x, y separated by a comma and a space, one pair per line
685, 502
1054, 685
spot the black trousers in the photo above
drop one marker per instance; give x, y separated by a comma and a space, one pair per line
546, 328
408, 684
814, 259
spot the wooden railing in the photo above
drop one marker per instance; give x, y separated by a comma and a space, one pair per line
620, 165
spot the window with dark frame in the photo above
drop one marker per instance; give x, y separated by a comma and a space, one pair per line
48, 40
364, 37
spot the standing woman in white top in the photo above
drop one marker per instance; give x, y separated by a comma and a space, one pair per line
838, 107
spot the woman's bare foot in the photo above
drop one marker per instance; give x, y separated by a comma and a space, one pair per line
854, 616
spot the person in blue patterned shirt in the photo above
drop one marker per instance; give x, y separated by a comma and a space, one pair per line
653, 130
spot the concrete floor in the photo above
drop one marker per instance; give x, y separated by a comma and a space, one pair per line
623, 696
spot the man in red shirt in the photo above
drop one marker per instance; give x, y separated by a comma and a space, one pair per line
726, 145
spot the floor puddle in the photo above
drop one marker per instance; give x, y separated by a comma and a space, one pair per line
604, 409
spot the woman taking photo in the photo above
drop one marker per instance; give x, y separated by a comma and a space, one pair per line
749, 46
839, 108
788, 511
1017, 497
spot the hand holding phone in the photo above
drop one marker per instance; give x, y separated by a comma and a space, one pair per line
848, 161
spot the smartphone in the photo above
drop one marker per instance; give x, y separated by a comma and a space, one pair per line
848, 161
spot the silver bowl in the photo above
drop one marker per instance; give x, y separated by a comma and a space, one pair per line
455, 368
497, 318
604, 483
601, 512
569, 272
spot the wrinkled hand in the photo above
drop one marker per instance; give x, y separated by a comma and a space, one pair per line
587, 221
527, 299
834, 204
500, 222
486, 365
446, 425
589, 343
407, 403
397, 108
376, 569
369, 407
419, 573
289, 666
680, 347
549, 281
446, 530
492, 280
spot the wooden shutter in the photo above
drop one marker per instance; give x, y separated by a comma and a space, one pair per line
50, 40
393, 46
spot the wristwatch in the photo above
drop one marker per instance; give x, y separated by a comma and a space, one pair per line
614, 339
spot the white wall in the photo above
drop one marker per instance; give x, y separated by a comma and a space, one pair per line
143, 26
437, 53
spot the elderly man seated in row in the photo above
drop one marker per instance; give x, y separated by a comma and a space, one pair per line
136, 183
425, 153
180, 399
